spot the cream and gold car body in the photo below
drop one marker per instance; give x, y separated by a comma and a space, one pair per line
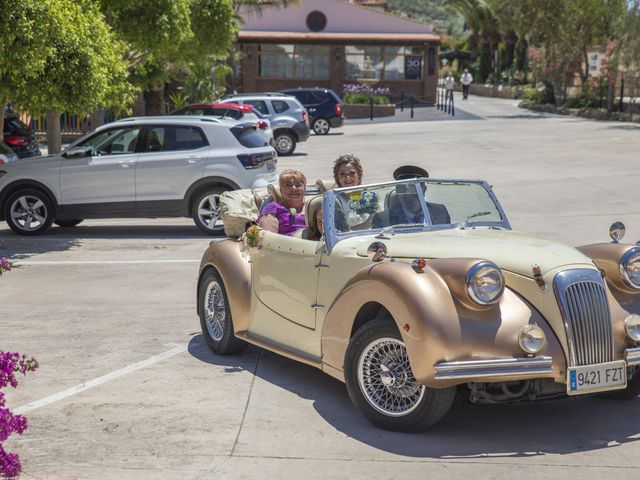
306, 299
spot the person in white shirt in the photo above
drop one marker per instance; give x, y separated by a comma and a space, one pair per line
449, 83
466, 79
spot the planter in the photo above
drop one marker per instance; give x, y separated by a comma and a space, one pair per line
363, 110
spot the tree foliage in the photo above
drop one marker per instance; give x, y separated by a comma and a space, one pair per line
59, 55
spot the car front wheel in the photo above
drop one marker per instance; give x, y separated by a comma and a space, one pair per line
285, 143
381, 384
206, 211
215, 316
321, 126
29, 212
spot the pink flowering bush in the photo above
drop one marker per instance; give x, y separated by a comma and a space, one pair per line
5, 265
354, 93
11, 364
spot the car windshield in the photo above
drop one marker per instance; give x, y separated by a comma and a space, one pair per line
414, 204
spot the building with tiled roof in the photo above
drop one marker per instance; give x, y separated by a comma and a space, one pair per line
330, 43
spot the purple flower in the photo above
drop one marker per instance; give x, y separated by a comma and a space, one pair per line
10, 365
9, 464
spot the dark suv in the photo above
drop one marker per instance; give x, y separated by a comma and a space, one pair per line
20, 137
324, 107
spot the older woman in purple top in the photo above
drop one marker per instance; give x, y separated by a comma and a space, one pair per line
288, 216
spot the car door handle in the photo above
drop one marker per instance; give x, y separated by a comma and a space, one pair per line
125, 163
194, 159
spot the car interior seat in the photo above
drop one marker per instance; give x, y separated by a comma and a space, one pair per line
154, 144
324, 185
310, 211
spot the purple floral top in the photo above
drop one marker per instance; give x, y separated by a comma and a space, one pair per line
288, 224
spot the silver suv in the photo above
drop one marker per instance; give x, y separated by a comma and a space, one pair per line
143, 167
289, 119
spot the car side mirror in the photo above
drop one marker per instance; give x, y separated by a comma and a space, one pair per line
77, 152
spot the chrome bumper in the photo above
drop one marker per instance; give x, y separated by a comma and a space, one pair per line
632, 356
532, 367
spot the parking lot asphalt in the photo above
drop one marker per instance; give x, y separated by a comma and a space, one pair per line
127, 389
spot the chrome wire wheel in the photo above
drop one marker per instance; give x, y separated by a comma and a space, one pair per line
28, 213
321, 126
386, 380
209, 212
215, 311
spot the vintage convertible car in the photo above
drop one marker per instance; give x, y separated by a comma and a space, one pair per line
419, 290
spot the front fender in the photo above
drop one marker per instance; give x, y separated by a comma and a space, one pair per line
435, 326
234, 269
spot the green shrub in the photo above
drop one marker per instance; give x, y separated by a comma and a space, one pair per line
360, 98
540, 97
582, 101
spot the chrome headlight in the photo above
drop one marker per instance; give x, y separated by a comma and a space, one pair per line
632, 326
485, 283
630, 267
531, 339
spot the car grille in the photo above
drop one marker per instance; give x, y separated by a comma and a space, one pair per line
585, 311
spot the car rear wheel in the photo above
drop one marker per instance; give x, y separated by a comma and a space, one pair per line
285, 143
29, 212
381, 384
215, 316
206, 211
321, 126
68, 223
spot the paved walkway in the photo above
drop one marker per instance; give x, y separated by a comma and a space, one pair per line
128, 390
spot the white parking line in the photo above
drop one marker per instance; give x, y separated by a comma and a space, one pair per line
178, 348
97, 262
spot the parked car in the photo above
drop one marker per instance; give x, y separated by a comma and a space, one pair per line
144, 167
20, 137
289, 119
242, 113
323, 105
6, 154
412, 310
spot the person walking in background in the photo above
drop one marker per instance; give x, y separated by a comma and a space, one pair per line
449, 83
466, 79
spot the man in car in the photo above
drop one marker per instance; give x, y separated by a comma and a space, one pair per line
404, 204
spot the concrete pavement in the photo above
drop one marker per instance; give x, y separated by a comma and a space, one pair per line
128, 390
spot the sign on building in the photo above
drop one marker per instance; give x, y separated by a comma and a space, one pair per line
412, 67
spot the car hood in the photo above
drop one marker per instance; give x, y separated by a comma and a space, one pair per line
30, 162
512, 251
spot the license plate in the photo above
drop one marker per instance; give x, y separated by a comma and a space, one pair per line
596, 378
271, 165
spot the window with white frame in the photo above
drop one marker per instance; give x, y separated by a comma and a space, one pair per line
388, 62
294, 61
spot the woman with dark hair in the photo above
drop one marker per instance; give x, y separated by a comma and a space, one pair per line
347, 171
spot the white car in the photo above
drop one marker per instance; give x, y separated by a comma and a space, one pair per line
235, 111
144, 167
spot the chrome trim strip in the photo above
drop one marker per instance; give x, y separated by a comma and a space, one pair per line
632, 356
501, 367
581, 296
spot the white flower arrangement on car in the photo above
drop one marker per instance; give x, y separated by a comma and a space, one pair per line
361, 206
